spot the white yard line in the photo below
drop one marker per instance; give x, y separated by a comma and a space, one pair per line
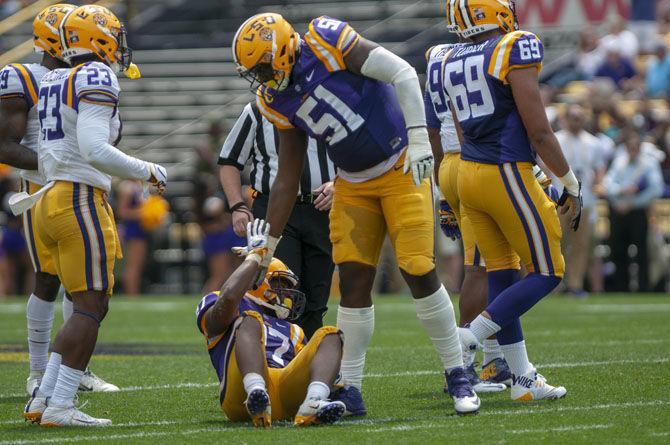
417, 373
540, 367
561, 429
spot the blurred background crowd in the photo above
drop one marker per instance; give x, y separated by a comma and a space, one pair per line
605, 81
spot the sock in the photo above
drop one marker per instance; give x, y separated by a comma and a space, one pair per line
517, 299
500, 280
68, 308
318, 391
66, 386
40, 316
253, 381
436, 314
50, 375
510, 334
483, 328
517, 358
492, 351
357, 325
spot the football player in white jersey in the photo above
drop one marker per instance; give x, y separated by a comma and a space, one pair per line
19, 138
455, 224
79, 126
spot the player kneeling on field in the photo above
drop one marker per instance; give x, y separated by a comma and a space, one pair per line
266, 369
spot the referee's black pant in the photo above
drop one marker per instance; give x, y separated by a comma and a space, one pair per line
305, 248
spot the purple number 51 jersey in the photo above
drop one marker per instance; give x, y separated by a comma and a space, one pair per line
358, 118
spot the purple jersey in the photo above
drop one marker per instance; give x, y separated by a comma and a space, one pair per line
283, 340
474, 76
358, 119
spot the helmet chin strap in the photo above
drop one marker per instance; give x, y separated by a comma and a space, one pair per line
281, 312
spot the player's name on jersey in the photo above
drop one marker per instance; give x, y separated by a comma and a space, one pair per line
463, 50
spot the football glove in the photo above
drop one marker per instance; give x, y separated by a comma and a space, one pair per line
448, 222
419, 156
257, 239
157, 177
571, 203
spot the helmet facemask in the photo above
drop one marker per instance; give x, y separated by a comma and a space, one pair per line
279, 294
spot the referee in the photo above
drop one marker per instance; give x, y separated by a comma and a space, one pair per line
305, 244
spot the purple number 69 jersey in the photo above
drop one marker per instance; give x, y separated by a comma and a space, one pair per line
474, 77
359, 119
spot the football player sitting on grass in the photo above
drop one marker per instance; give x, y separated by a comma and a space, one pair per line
266, 369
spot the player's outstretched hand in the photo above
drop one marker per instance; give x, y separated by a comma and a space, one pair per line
419, 158
448, 222
157, 177
572, 203
257, 239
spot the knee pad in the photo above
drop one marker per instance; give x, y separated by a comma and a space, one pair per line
417, 265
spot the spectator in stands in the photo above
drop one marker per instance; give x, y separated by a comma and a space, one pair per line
590, 54
617, 68
622, 38
582, 151
658, 72
218, 240
135, 238
631, 184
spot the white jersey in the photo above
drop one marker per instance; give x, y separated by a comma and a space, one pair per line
438, 114
23, 80
61, 91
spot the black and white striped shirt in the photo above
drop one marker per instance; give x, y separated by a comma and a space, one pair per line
254, 138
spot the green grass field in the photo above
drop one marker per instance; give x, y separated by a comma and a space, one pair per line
611, 353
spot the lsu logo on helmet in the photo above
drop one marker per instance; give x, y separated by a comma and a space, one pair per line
468, 18
264, 49
46, 37
279, 292
96, 30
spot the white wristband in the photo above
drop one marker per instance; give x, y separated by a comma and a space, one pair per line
570, 183
254, 257
272, 244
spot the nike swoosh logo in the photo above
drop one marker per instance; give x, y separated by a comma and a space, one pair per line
309, 77
398, 167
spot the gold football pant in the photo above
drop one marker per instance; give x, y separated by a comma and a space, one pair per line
38, 252
287, 387
77, 227
449, 188
363, 212
510, 214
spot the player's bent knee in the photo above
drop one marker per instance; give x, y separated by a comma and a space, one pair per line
252, 324
46, 286
417, 265
326, 331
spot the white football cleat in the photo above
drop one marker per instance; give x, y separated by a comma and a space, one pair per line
35, 407
55, 416
533, 386
91, 382
459, 388
319, 412
33, 381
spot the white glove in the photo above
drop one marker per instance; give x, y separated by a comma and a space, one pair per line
157, 176
419, 156
257, 239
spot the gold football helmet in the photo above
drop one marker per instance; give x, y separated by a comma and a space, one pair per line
96, 30
278, 292
46, 36
265, 49
472, 17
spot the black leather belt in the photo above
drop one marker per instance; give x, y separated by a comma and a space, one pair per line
308, 198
